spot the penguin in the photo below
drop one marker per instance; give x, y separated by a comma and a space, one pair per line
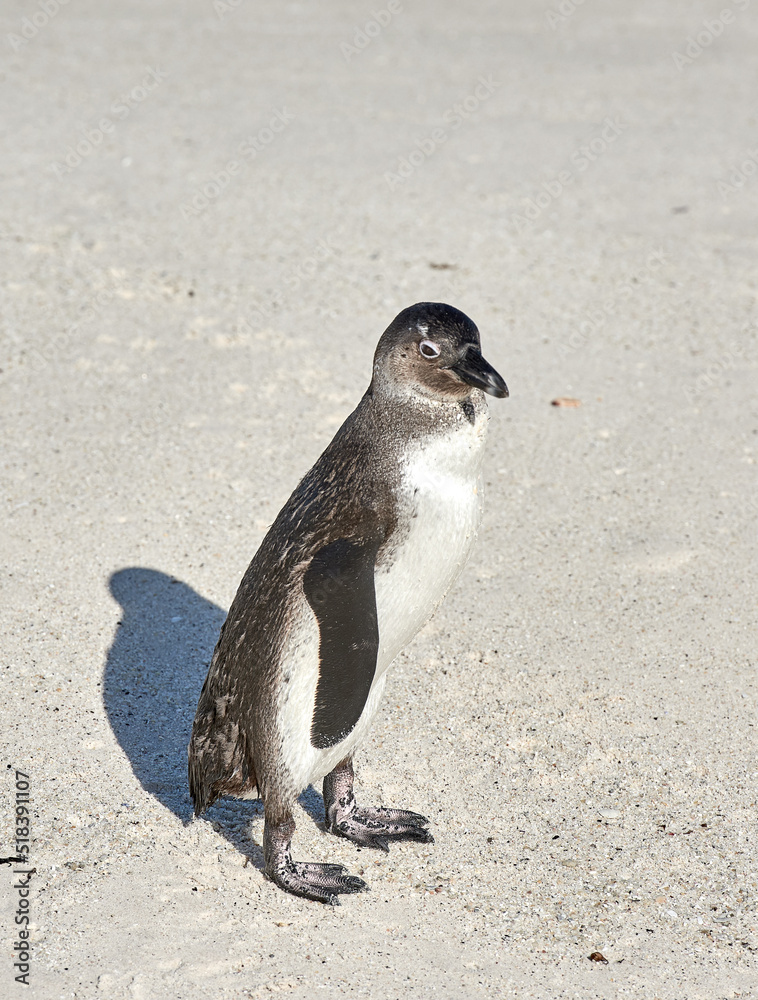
353, 566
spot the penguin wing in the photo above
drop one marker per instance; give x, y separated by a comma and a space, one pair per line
339, 587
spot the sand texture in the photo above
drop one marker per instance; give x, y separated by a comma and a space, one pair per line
209, 214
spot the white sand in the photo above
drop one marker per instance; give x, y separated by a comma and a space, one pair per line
579, 719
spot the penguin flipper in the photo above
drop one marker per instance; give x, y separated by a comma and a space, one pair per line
339, 587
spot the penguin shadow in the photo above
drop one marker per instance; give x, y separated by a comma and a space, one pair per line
154, 672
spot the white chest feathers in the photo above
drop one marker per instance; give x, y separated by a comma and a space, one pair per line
439, 505
438, 498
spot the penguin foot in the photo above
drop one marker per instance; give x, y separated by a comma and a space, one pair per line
311, 880
319, 882
369, 826
375, 826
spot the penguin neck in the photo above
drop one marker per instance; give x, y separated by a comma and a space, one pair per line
391, 420
393, 408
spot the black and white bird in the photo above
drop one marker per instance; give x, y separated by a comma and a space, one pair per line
353, 566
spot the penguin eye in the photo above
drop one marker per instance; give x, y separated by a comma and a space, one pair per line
429, 349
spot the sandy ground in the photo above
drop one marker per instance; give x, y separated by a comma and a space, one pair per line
209, 215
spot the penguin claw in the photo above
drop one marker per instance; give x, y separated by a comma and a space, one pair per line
375, 827
404, 816
379, 844
319, 882
314, 880
371, 826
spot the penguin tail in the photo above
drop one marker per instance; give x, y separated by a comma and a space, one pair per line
197, 787
217, 760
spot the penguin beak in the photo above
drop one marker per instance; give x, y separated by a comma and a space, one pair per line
474, 370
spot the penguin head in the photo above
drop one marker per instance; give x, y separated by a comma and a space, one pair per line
434, 350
